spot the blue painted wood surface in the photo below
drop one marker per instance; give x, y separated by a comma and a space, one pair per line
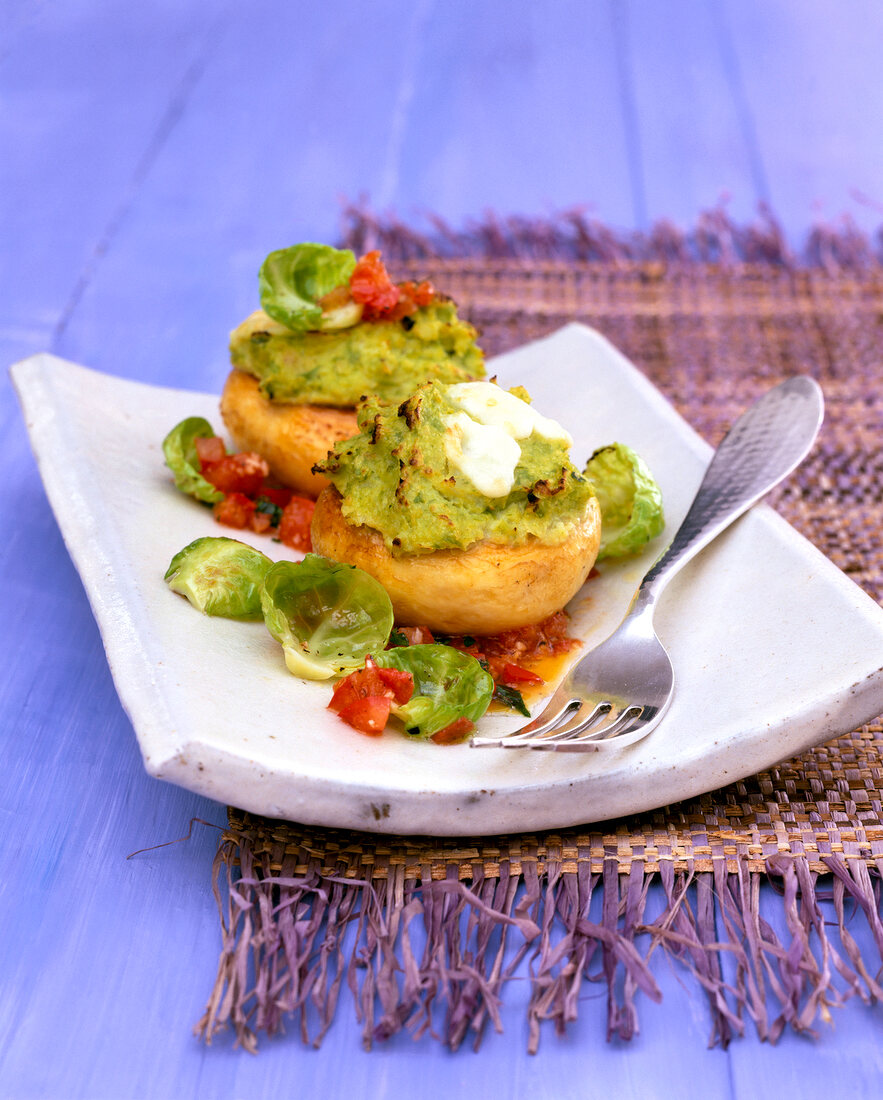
150, 155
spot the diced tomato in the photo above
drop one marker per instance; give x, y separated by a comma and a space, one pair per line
399, 682
454, 732
411, 297
423, 293
210, 449
364, 698
498, 666
368, 715
417, 635
357, 684
390, 683
276, 495
515, 674
260, 522
381, 298
235, 510
371, 285
543, 639
349, 689
240, 473
294, 527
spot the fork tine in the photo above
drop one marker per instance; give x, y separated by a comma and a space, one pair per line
585, 727
551, 717
547, 726
577, 715
581, 719
619, 722
559, 707
624, 721
580, 734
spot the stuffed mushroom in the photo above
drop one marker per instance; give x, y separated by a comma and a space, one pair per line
463, 502
331, 331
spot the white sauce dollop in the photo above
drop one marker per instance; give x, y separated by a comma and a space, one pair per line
493, 406
484, 454
481, 441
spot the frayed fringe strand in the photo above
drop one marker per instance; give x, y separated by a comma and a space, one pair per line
574, 235
429, 956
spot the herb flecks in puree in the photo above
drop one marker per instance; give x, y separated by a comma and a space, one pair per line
388, 359
454, 465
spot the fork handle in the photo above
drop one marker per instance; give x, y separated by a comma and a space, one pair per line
762, 447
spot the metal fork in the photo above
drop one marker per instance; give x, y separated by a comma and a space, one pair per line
620, 691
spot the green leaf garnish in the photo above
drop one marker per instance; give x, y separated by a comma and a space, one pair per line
511, 697
264, 504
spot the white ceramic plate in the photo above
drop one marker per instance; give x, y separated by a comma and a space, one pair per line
774, 648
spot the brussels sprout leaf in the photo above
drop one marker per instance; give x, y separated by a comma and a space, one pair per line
292, 280
448, 684
630, 500
179, 449
220, 576
328, 617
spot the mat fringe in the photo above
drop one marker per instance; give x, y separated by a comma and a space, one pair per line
434, 957
574, 234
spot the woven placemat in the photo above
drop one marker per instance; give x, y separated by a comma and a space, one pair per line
712, 337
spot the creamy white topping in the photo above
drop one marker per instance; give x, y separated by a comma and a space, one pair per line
492, 406
484, 453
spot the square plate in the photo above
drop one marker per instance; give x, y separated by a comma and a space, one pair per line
774, 649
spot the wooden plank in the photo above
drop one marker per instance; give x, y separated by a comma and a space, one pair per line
289, 117
15, 17
93, 942
812, 87
847, 1049
692, 149
517, 112
86, 96
430, 111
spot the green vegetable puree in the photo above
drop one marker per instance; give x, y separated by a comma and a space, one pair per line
389, 359
396, 477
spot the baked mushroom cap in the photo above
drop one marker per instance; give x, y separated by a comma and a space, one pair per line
484, 589
292, 438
